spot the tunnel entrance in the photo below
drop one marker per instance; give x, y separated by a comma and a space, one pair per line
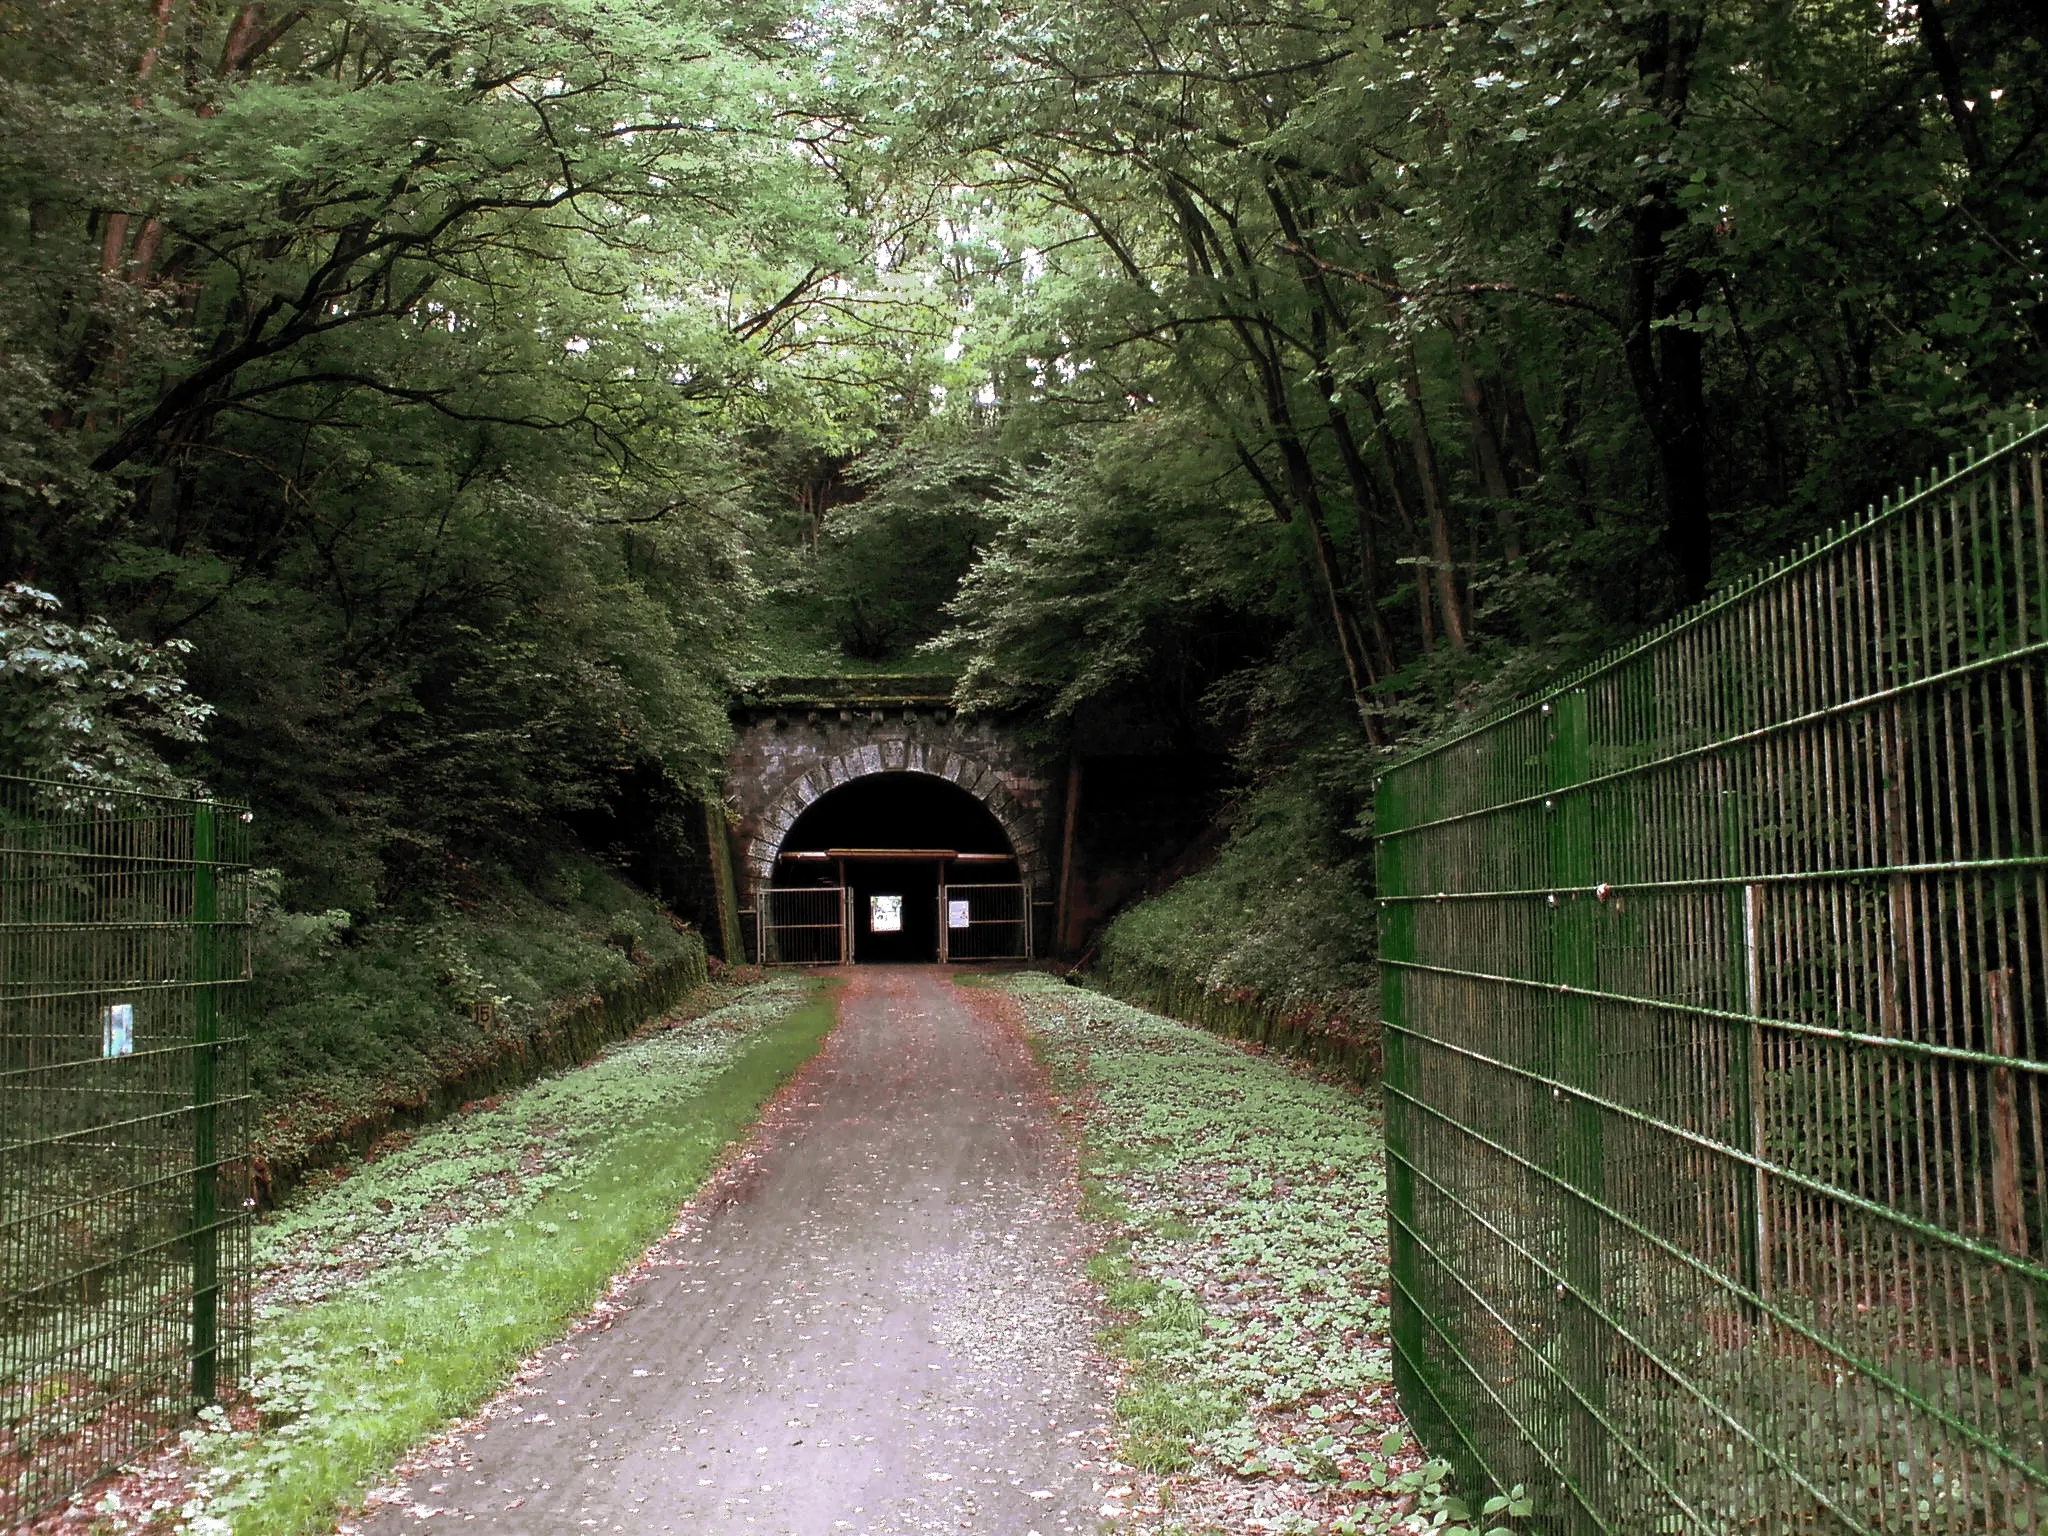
904, 892
922, 870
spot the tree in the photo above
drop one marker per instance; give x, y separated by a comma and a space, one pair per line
396, 362
1526, 325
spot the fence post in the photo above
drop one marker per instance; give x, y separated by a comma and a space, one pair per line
205, 1139
1745, 1054
1396, 939
1576, 1047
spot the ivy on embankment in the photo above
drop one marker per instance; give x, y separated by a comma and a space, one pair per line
361, 1029
1273, 942
1245, 1268
404, 1294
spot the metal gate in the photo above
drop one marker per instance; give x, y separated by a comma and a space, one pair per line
1716, 999
123, 1126
985, 922
804, 927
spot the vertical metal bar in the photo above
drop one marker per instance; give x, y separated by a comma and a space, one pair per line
1578, 1063
1745, 1056
205, 1147
1397, 944
2007, 1202
1753, 1037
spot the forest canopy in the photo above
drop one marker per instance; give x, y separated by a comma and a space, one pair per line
453, 400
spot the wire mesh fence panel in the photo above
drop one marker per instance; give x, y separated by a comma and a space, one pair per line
987, 922
123, 1126
1716, 995
803, 927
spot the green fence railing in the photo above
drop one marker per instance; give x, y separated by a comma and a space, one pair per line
123, 1126
1716, 995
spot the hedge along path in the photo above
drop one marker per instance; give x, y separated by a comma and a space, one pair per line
319, 1124
408, 1291
1243, 1204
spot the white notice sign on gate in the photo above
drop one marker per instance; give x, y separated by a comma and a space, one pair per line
956, 915
885, 914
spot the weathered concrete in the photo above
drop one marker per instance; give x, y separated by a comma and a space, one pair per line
880, 1325
784, 758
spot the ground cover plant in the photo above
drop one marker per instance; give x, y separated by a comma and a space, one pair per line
1244, 1259
407, 1289
348, 1020
1273, 940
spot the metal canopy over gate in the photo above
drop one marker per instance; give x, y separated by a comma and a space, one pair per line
123, 1126
806, 926
1716, 996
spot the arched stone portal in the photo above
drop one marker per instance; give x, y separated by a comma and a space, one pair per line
810, 736
893, 756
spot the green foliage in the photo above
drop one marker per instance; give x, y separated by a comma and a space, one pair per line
404, 1295
346, 1023
1404, 358
1110, 569
529, 659
1160, 1414
78, 703
1283, 916
863, 581
394, 359
1244, 1261
469, 384
889, 563
1427, 1492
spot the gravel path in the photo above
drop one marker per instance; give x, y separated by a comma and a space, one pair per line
877, 1322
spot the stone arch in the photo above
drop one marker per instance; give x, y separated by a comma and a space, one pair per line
896, 755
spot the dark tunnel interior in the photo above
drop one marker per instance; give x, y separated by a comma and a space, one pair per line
898, 810
895, 811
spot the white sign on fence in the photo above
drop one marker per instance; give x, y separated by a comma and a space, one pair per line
956, 915
117, 1030
885, 914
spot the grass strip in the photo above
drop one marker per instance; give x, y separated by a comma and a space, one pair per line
441, 1302
1161, 1412
1243, 1206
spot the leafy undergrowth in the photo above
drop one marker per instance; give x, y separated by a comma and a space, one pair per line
1273, 941
1246, 1266
408, 1289
348, 1019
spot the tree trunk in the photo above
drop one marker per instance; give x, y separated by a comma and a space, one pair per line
1384, 436
1199, 237
1439, 513
1363, 497
1961, 112
1486, 444
1358, 666
1667, 362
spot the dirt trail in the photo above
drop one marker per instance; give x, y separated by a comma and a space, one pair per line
876, 1324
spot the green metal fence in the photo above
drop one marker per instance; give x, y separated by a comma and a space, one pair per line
123, 1251
1716, 1035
